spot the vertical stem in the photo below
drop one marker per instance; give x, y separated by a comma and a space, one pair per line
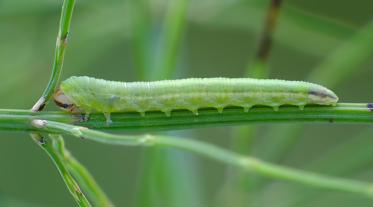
55, 148
61, 44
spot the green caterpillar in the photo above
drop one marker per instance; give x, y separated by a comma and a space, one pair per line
86, 94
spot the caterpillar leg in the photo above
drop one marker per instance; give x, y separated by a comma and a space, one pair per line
275, 107
167, 112
108, 118
86, 116
194, 111
246, 108
301, 107
83, 117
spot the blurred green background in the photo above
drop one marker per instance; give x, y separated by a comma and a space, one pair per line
219, 39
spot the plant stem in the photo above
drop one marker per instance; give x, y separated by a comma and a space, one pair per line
245, 163
52, 148
343, 112
64, 162
61, 44
84, 178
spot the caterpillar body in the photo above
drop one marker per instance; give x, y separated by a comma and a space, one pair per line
86, 94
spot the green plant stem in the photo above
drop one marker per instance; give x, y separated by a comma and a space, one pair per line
95, 194
52, 148
343, 112
61, 44
245, 163
55, 145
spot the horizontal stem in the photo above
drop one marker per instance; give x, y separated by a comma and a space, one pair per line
181, 119
213, 152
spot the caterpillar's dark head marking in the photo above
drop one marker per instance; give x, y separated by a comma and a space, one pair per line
323, 96
370, 106
62, 101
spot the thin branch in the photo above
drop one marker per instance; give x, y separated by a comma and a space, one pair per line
52, 148
343, 112
86, 180
55, 145
61, 43
245, 163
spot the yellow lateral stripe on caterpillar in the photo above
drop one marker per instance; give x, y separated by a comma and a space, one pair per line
88, 94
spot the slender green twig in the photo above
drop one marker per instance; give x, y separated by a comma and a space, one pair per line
213, 152
343, 112
61, 43
56, 151
359, 147
83, 177
52, 148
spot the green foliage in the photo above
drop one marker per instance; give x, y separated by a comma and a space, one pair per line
158, 40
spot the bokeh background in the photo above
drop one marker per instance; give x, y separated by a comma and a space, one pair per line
220, 38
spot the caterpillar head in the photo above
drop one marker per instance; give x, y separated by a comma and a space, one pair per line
64, 102
323, 96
